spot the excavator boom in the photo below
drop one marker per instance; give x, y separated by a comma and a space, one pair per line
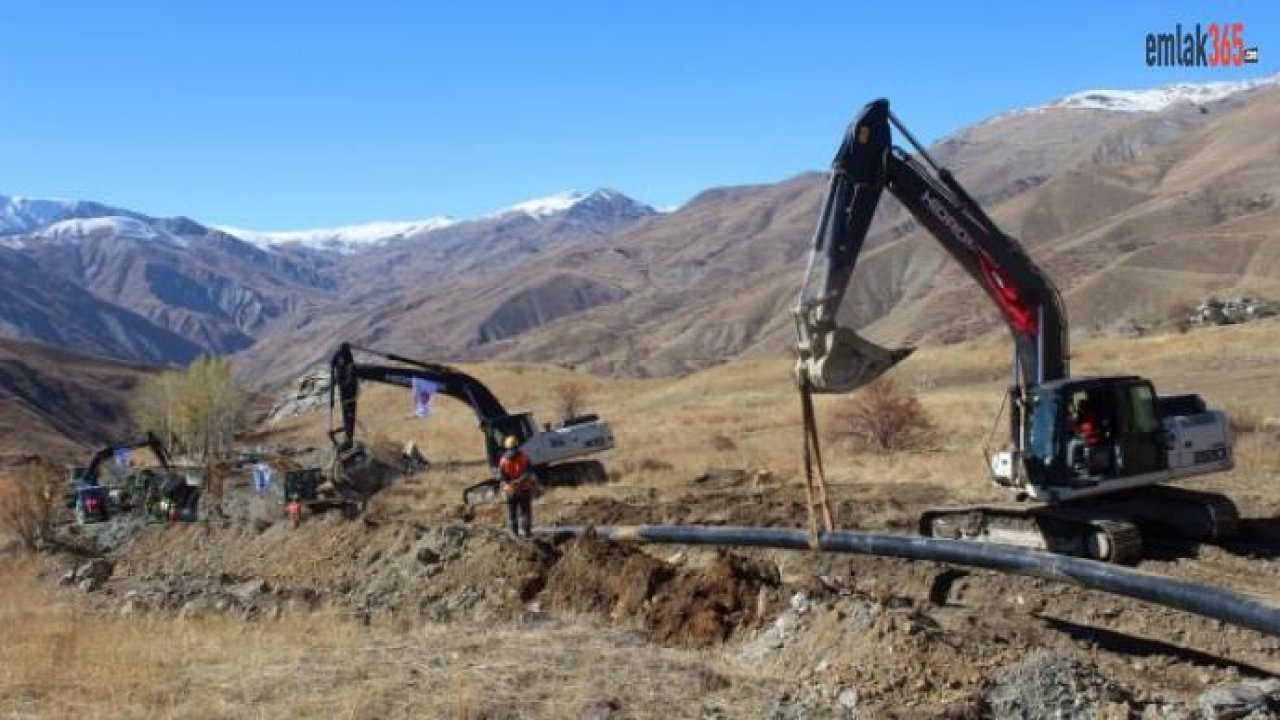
90, 473
833, 358
346, 374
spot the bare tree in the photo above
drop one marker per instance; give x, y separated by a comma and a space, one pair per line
28, 504
200, 407
884, 419
155, 406
1178, 315
571, 398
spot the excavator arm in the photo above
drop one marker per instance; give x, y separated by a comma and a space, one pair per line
90, 474
833, 358
346, 375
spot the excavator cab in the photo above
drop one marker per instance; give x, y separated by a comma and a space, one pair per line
1084, 432
520, 425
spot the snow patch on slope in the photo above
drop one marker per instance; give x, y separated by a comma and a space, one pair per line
1157, 99
77, 229
544, 206
561, 202
346, 238
23, 214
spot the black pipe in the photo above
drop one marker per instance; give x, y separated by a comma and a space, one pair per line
1213, 602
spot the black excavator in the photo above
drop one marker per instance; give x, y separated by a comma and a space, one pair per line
158, 493
556, 452
1089, 455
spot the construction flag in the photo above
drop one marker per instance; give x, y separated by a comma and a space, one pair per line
261, 477
424, 391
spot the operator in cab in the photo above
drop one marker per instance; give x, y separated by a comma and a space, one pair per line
518, 486
1084, 449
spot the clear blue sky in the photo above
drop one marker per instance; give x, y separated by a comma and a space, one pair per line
283, 115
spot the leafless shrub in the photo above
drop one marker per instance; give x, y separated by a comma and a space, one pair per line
29, 503
723, 443
1246, 419
884, 419
653, 465
1178, 316
570, 398
647, 465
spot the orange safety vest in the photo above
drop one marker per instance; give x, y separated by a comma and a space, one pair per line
514, 469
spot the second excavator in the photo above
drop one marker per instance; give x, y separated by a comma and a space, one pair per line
1089, 456
166, 495
557, 452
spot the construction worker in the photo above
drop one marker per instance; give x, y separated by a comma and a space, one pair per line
518, 484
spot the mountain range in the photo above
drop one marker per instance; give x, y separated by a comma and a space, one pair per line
1130, 199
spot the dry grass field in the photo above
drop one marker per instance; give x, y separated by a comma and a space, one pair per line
60, 658
63, 654
670, 431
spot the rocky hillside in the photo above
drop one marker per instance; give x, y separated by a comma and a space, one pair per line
113, 282
1081, 183
1132, 200
58, 404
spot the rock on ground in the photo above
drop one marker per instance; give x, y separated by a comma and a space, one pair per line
1051, 685
1253, 700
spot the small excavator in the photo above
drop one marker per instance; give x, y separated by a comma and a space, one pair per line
555, 451
1089, 456
166, 495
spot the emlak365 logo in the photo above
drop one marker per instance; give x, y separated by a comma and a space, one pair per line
1216, 45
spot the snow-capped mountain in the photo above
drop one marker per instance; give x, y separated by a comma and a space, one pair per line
346, 239
79, 229
487, 285
1157, 99
20, 214
191, 287
549, 205
343, 239
574, 200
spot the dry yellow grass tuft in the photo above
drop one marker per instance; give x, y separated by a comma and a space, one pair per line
58, 659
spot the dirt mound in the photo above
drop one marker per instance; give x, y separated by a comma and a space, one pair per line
373, 568
480, 571
604, 577
703, 607
447, 572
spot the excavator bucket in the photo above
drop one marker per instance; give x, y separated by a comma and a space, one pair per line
485, 491
843, 361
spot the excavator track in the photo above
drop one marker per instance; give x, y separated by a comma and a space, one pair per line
1053, 528
573, 474
1116, 541
1174, 513
1110, 528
